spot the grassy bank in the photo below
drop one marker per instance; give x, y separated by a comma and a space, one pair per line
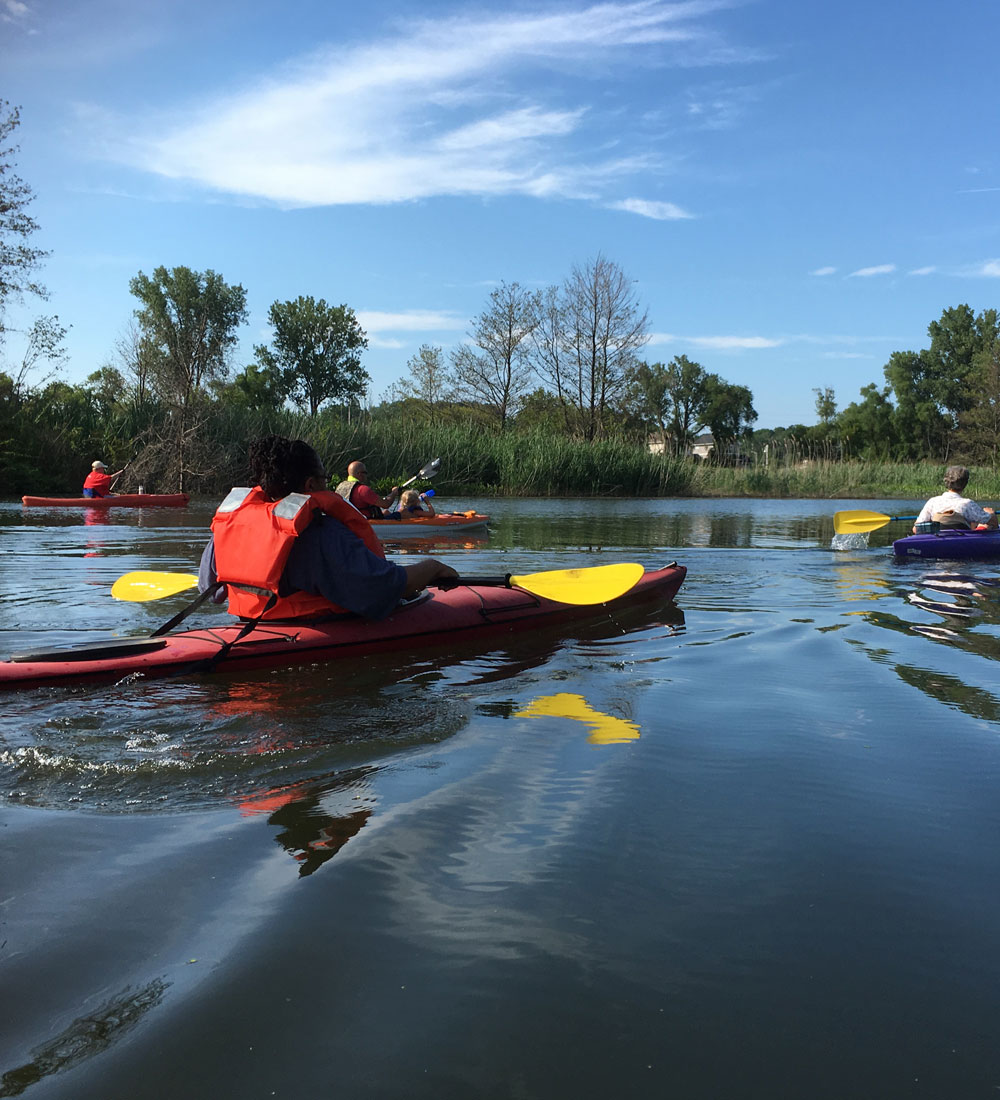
544, 466
473, 462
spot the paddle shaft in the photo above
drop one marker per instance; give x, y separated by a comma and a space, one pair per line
427, 471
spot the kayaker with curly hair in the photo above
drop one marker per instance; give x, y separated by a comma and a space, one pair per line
951, 509
289, 548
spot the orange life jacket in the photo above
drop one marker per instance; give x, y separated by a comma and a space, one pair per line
253, 538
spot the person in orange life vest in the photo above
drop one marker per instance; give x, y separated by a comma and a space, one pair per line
98, 483
316, 551
356, 490
412, 503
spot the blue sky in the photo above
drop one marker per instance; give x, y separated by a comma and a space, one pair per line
797, 188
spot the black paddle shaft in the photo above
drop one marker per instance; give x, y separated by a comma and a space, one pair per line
502, 581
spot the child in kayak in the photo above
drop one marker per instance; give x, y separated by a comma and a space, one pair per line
412, 503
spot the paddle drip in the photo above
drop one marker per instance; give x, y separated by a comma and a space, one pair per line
854, 541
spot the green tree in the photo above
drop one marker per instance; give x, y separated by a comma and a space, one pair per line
255, 387
826, 405
979, 431
428, 386
647, 397
316, 353
189, 321
923, 424
868, 427
728, 413
688, 392
933, 388
494, 369
18, 258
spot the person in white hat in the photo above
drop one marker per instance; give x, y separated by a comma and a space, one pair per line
99, 481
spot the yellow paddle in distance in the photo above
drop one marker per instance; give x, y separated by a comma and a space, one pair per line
596, 584
860, 521
151, 586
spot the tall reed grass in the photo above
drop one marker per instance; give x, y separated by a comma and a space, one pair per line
475, 461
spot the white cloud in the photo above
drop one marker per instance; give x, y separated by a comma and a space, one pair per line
731, 343
649, 208
824, 271
868, 272
923, 270
12, 10
989, 268
846, 355
717, 343
414, 320
454, 106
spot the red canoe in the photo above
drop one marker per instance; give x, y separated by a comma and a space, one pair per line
463, 615
122, 500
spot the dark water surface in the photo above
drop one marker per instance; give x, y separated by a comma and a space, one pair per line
740, 846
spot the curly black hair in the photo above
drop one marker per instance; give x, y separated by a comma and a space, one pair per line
281, 466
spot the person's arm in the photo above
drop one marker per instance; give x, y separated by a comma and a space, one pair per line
428, 507
421, 573
387, 501
206, 572
366, 497
923, 516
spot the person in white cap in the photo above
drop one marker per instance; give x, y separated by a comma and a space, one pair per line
99, 481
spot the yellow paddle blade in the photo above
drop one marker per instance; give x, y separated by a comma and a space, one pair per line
849, 523
605, 729
151, 586
598, 584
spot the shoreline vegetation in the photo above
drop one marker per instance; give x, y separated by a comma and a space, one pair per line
474, 462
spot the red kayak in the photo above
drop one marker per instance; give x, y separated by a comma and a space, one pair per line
122, 500
467, 613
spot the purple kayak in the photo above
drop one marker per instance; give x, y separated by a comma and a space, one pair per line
950, 543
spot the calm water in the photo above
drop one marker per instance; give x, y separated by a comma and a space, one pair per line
740, 846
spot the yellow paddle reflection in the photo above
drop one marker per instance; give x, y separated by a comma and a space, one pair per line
605, 729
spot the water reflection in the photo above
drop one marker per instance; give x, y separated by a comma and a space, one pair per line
317, 819
605, 729
86, 1036
958, 610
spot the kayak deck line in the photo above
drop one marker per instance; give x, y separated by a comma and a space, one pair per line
461, 614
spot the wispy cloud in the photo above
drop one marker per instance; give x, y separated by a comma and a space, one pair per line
734, 343
465, 105
824, 271
414, 320
868, 272
13, 11
648, 208
923, 270
846, 355
977, 190
988, 268
717, 343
